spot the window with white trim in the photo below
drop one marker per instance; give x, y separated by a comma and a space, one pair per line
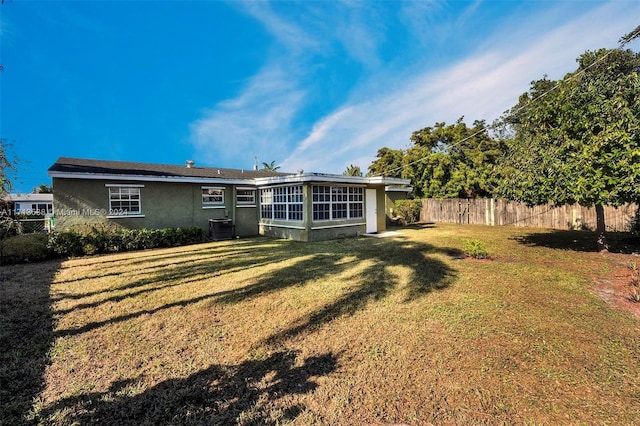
337, 202
46, 208
245, 196
321, 202
124, 200
266, 203
34, 208
282, 203
356, 202
212, 196
294, 203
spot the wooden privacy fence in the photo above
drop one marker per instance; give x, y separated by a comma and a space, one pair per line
488, 211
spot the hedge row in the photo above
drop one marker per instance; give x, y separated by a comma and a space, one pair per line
40, 246
70, 243
24, 248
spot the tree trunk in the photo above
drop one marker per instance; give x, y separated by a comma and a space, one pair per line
603, 247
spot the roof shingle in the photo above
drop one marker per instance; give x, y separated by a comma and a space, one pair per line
80, 165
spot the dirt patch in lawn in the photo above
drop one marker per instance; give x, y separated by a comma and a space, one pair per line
615, 289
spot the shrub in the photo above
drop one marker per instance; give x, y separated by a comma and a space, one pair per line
24, 248
103, 240
8, 226
100, 240
475, 249
408, 211
67, 243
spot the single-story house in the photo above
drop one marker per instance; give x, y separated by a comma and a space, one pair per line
30, 204
299, 206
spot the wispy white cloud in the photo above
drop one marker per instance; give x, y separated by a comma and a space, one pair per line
286, 33
418, 15
360, 32
388, 103
259, 121
432, 22
320, 130
247, 125
479, 87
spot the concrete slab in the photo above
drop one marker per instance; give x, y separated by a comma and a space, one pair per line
384, 234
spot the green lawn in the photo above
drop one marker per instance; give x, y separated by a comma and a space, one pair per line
353, 331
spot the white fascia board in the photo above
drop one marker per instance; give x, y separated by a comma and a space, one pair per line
21, 197
145, 178
329, 178
280, 180
398, 189
299, 178
389, 181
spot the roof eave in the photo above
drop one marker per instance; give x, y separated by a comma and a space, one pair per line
148, 178
261, 181
322, 177
389, 180
392, 188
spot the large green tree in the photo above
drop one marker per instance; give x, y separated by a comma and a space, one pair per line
578, 140
446, 161
388, 163
453, 161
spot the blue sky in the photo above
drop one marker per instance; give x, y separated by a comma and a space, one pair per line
313, 85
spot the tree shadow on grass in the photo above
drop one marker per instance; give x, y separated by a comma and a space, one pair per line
186, 273
173, 275
26, 336
161, 261
305, 263
369, 269
306, 268
376, 281
582, 241
256, 391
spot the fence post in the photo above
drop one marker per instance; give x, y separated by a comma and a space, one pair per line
487, 219
492, 203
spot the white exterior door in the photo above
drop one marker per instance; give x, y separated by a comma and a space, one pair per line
371, 211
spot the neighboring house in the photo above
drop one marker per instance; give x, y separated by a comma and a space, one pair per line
301, 206
30, 204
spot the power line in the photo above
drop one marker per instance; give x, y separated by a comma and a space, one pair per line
627, 39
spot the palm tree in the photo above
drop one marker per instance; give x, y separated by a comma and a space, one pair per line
353, 171
43, 189
271, 167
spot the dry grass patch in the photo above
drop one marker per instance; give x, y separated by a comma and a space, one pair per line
355, 331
